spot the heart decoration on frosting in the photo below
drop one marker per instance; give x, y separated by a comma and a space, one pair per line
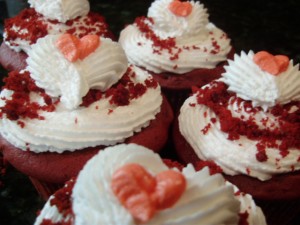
74, 48
179, 8
270, 63
143, 194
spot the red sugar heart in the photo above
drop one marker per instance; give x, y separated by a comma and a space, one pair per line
73, 48
180, 8
142, 194
270, 63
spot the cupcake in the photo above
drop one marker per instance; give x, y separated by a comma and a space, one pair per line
130, 184
178, 45
75, 97
43, 18
248, 124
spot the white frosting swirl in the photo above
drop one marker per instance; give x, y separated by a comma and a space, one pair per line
61, 10
243, 76
58, 77
200, 44
71, 127
101, 123
238, 156
167, 24
207, 199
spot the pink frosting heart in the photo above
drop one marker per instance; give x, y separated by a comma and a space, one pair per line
270, 63
143, 194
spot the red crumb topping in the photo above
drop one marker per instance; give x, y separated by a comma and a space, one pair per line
28, 19
286, 136
93, 24
158, 44
238, 193
91, 97
62, 198
62, 201
213, 167
243, 218
20, 106
37, 26
169, 44
248, 171
206, 128
173, 164
123, 92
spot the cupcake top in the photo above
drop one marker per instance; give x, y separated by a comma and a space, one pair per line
175, 37
247, 122
98, 195
83, 95
52, 17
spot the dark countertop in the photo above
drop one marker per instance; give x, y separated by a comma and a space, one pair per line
271, 25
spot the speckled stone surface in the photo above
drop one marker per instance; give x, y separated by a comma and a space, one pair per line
270, 25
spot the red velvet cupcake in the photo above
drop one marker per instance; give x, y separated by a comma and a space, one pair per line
43, 18
178, 45
129, 184
56, 114
248, 124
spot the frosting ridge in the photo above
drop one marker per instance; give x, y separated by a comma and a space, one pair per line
61, 10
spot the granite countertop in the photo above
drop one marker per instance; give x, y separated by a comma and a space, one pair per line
270, 25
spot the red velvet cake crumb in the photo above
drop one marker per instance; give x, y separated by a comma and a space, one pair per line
213, 167
173, 164
286, 136
168, 44
28, 19
243, 218
20, 105
36, 26
62, 198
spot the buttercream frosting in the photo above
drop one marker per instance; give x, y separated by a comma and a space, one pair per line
70, 123
243, 76
165, 42
208, 199
61, 10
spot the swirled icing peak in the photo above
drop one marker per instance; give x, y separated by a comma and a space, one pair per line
102, 68
252, 78
206, 199
169, 24
61, 10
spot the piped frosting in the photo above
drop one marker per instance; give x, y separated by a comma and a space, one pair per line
208, 199
58, 105
247, 122
166, 42
243, 76
61, 10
